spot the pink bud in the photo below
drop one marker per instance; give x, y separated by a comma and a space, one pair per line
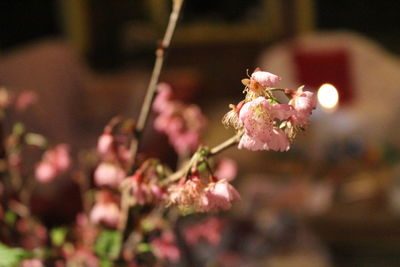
108, 174
104, 144
45, 172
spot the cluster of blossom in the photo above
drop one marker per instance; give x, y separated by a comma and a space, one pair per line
202, 191
181, 123
208, 230
55, 161
267, 124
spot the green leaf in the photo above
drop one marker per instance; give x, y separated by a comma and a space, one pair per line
10, 257
58, 235
10, 217
144, 247
108, 244
105, 263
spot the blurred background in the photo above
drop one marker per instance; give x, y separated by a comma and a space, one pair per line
333, 200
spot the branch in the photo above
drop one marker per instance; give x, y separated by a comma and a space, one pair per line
152, 87
213, 151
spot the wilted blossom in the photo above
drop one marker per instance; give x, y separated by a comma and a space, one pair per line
31, 263
165, 247
181, 123
106, 210
208, 230
108, 174
189, 195
303, 102
220, 196
258, 117
54, 162
226, 169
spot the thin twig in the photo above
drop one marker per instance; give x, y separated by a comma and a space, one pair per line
213, 151
152, 87
145, 110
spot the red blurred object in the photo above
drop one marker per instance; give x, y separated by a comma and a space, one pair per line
317, 67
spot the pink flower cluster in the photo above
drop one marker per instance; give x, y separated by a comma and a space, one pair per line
106, 209
195, 195
54, 162
165, 247
181, 123
208, 230
145, 189
267, 124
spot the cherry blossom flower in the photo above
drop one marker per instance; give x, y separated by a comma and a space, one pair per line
104, 144
189, 195
208, 230
265, 79
258, 117
105, 210
165, 248
54, 162
181, 123
108, 174
303, 102
220, 195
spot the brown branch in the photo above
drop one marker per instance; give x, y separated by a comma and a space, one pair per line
152, 87
145, 110
213, 151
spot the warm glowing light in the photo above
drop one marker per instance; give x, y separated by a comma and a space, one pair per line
328, 96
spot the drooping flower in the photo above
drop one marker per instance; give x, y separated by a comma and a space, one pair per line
303, 102
259, 117
104, 144
105, 210
220, 196
181, 123
108, 174
165, 247
189, 196
208, 230
54, 162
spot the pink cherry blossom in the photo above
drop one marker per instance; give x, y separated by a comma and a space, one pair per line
105, 210
104, 144
220, 195
181, 123
108, 174
45, 172
226, 169
258, 118
165, 248
188, 195
303, 102
162, 101
265, 79
54, 162
208, 230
